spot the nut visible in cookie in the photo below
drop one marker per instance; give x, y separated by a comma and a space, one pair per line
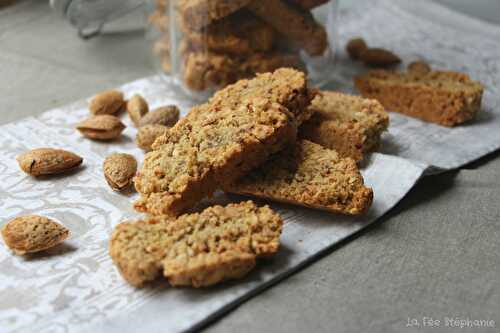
165, 115
119, 170
33, 233
103, 127
47, 161
137, 107
107, 102
147, 135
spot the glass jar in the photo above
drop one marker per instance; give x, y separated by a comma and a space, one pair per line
204, 45
89, 16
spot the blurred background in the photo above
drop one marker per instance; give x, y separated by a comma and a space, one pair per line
43, 63
488, 10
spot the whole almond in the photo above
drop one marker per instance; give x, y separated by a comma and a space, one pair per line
33, 233
355, 47
137, 107
147, 134
419, 67
119, 170
107, 102
47, 161
103, 127
165, 115
379, 57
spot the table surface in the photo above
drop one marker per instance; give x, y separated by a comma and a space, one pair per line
435, 255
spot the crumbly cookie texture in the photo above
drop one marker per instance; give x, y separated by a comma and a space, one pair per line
218, 142
240, 33
310, 175
293, 22
351, 125
444, 98
204, 70
196, 14
198, 249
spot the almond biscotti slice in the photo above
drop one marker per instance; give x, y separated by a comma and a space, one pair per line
351, 125
221, 140
197, 14
310, 175
199, 249
241, 33
444, 98
294, 23
203, 70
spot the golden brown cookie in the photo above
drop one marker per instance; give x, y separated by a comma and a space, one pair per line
196, 14
198, 249
351, 125
240, 33
205, 70
445, 98
297, 24
310, 175
217, 142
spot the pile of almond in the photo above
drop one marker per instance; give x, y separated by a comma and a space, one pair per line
371, 56
33, 233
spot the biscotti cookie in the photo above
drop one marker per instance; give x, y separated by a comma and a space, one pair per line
293, 22
445, 98
308, 4
161, 49
310, 175
217, 142
350, 125
159, 21
203, 70
239, 33
196, 14
199, 249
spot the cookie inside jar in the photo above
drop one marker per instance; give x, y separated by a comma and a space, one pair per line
205, 45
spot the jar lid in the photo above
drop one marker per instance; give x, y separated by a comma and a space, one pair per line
89, 16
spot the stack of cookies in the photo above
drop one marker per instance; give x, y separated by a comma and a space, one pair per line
252, 138
159, 22
219, 42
